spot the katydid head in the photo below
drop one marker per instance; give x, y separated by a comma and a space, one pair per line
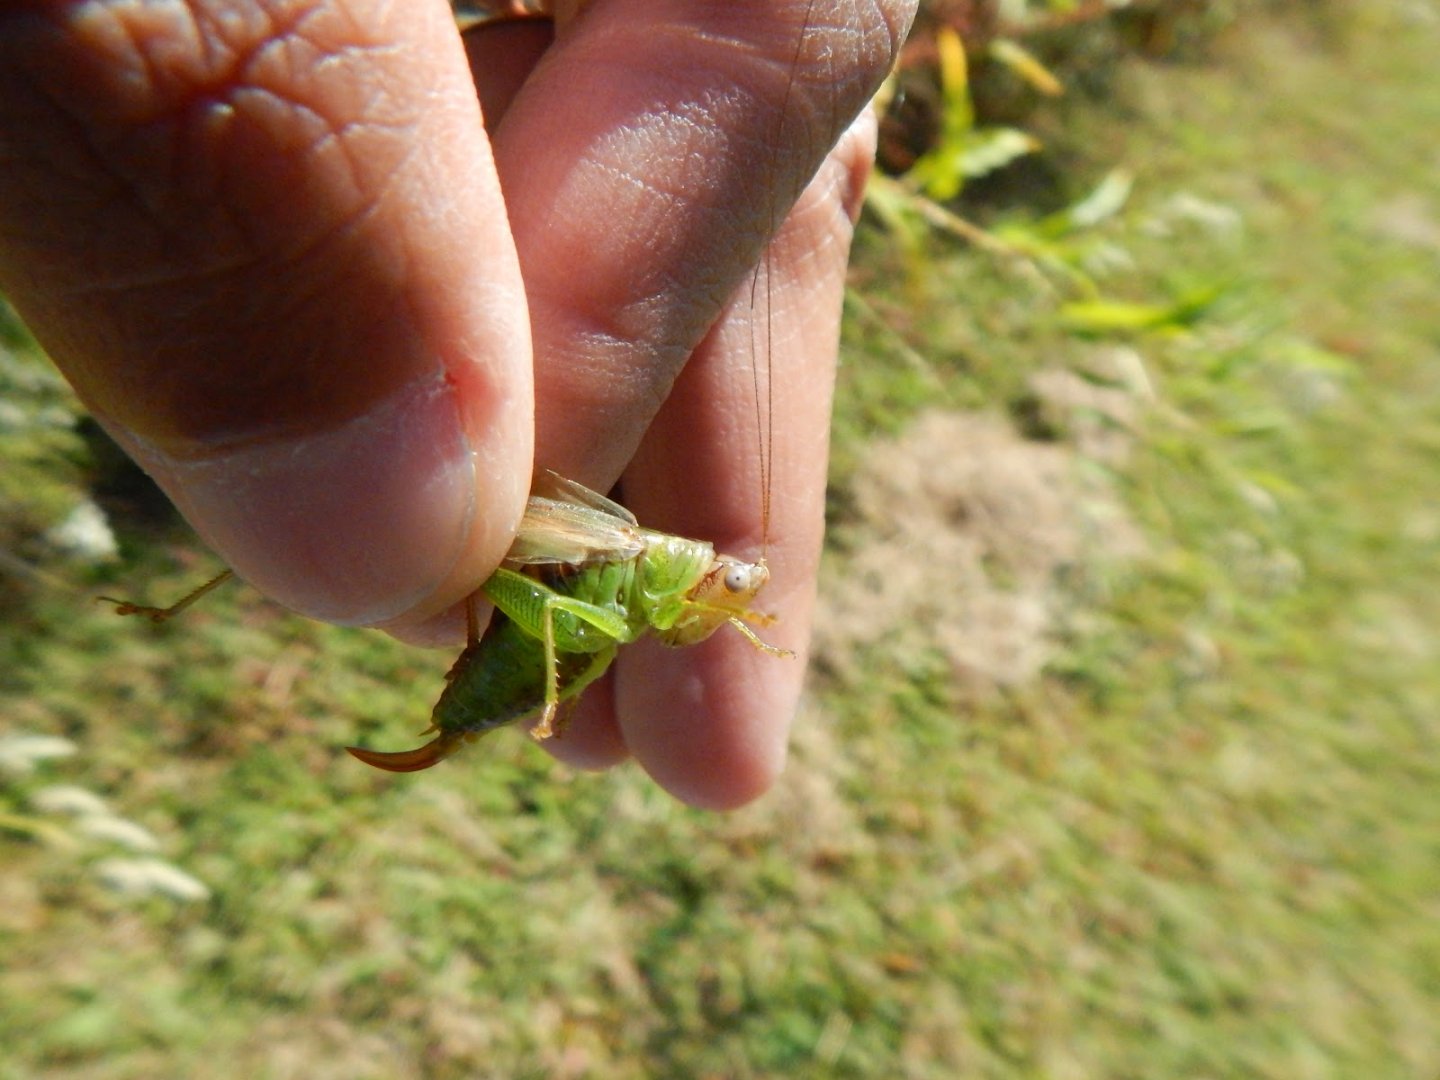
721, 596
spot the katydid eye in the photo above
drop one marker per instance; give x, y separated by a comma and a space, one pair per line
737, 579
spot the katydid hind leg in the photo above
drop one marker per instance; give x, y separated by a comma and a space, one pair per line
553, 725
159, 614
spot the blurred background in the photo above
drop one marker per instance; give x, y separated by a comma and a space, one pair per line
1121, 755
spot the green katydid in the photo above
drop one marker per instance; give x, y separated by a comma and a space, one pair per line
581, 580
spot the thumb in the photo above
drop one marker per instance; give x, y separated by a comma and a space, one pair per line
273, 259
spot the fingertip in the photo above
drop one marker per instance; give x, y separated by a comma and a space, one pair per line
319, 343
737, 788
387, 518
710, 724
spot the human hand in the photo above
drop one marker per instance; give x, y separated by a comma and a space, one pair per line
268, 245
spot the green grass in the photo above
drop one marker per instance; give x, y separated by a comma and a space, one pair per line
1202, 841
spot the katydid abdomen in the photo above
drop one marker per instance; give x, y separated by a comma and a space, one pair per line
496, 681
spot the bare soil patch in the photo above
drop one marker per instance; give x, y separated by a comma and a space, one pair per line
969, 539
